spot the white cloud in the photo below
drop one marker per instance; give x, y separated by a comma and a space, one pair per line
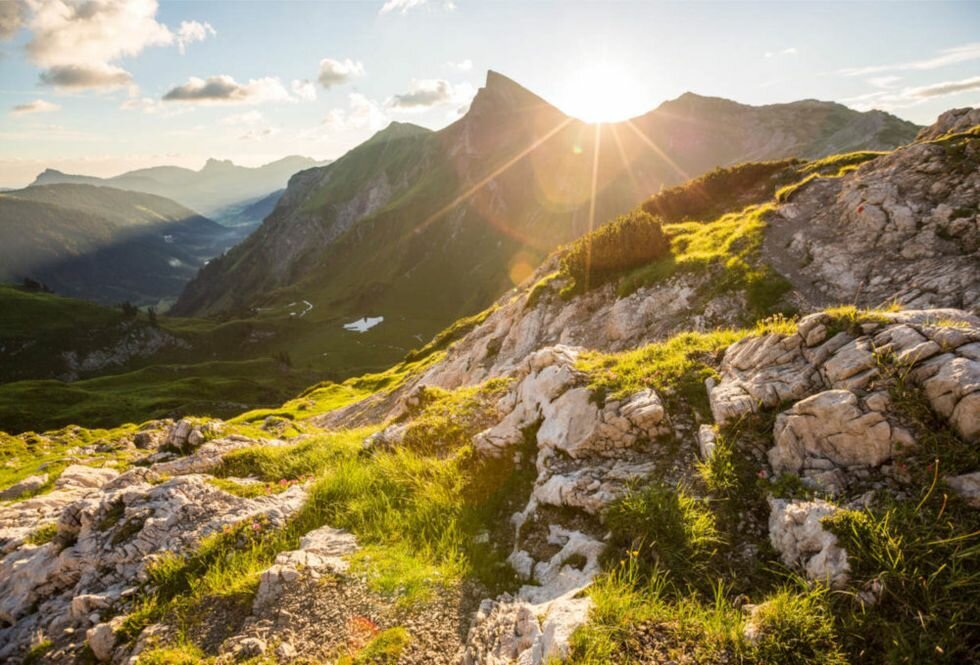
884, 81
77, 42
259, 134
193, 31
144, 104
247, 118
304, 90
888, 100
95, 76
223, 89
362, 113
403, 6
461, 66
336, 72
943, 89
11, 17
37, 106
950, 56
786, 51
428, 93
400, 6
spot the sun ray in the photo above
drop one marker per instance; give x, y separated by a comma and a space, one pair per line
657, 149
595, 180
626, 163
496, 172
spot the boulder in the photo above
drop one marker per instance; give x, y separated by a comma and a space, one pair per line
830, 425
28, 485
801, 540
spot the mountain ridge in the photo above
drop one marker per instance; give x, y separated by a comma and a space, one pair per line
217, 185
495, 191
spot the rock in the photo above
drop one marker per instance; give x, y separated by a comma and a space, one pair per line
101, 639
570, 422
707, 438
78, 476
28, 485
831, 426
285, 651
644, 410
797, 534
954, 392
320, 551
967, 486
251, 647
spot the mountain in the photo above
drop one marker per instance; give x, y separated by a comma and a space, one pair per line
421, 227
217, 186
104, 244
739, 424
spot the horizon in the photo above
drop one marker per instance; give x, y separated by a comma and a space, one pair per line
143, 84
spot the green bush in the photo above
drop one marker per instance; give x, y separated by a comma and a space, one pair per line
629, 241
726, 189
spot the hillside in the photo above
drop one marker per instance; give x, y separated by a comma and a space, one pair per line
217, 190
663, 446
104, 244
377, 232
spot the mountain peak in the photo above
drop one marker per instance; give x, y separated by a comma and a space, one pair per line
503, 93
218, 165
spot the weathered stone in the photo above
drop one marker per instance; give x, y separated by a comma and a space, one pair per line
830, 425
801, 540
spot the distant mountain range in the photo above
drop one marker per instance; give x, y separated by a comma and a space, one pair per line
104, 244
422, 227
219, 190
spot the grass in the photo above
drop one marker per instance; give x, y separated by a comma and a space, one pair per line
36, 653
385, 648
675, 368
30, 454
721, 191
415, 514
665, 527
43, 534
447, 420
218, 389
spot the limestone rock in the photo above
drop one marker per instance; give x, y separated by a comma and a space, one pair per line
967, 486
797, 534
832, 426
25, 486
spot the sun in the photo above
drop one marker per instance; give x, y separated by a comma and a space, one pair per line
603, 92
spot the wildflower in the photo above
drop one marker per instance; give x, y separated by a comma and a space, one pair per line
256, 526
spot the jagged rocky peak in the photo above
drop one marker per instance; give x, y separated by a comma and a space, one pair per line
502, 93
952, 121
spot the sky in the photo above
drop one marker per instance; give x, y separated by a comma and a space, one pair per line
100, 87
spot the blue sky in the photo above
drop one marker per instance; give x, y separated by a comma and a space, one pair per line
113, 85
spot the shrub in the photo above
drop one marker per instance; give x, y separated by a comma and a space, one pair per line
629, 241
726, 189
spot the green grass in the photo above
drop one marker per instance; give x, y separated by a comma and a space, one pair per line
385, 648
36, 653
721, 191
218, 389
665, 527
43, 534
675, 368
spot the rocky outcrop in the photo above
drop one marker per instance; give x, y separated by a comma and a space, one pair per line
904, 227
109, 527
796, 532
